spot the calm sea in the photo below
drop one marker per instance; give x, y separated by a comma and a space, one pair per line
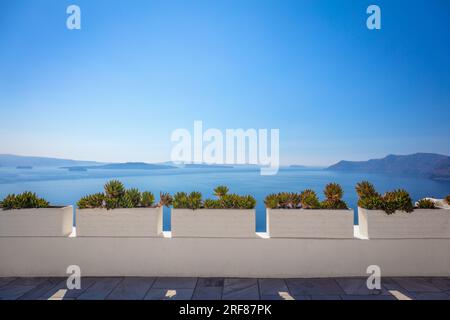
60, 186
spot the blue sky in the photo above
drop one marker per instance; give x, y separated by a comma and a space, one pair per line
137, 70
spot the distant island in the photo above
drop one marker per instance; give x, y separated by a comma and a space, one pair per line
24, 167
121, 166
429, 165
209, 166
15, 161
77, 169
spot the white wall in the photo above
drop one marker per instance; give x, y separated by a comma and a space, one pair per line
223, 257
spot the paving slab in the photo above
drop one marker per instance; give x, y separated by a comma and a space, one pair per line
6, 280
61, 292
314, 286
207, 293
132, 288
368, 297
430, 296
29, 281
301, 297
358, 286
14, 292
441, 283
326, 297
240, 289
269, 287
285, 296
416, 284
43, 288
169, 294
100, 289
175, 283
210, 282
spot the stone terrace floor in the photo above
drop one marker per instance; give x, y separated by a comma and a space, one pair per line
224, 288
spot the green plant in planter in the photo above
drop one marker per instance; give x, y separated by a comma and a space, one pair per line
220, 191
309, 200
397, 200
334, 204
212, 204
195, 200
235, 201
425, 204
289, 200
114, 189
272, 201
247, 202
147, 199
283, 200
447, 199
25, 200
333, 193
371, 203
365, 189
92, 201
369, 198
165, 199
180, 200
116, 196
132, 198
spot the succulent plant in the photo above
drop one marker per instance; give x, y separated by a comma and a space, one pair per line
371, 203
220, 191
195, 200
365, 189
333, 192
147, 199
116, 196
25, 200
165, 199
132, 198
92, 201
397, 200
114, 189
289, 200
212, 204
334, 204
9, 202
272, 201
180, 200
309, 200
115, 203
247, 202
425, 204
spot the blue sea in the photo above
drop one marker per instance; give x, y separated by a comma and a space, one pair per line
62, 187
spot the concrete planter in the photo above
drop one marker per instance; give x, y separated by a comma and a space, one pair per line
43, 222
213, 223
133, 222
420, 224
310, 223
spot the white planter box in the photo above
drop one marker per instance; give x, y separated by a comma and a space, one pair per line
213, 223
420, 224
43, 222
310, 223
130, 222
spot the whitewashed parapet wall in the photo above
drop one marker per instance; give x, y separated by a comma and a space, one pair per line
222, 257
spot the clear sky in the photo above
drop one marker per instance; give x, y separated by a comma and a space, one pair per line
137, 70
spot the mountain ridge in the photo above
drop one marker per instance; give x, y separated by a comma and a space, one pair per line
430, 165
